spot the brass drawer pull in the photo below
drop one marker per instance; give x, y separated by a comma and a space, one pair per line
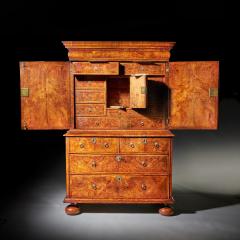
81, 145
89, 109
118, 158
94, 164
144, 163
156, 144
144, 187
131, 145
119, 178
94, 186
106, 145
142, 123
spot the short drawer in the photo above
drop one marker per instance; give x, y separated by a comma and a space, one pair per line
89, 83
118, 163
90, 109
97, 123
90, 96
91, 68
145, 145
119, 186
93, 145
140, 68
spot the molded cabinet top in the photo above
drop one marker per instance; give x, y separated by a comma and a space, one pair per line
118, 50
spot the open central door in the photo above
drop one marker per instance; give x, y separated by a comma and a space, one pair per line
194, 95
45, 95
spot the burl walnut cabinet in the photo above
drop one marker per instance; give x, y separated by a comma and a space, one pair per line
119, 101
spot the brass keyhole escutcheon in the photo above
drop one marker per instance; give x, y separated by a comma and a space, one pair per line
94, 164
94, 140
94, 186
118, 158
144, 187
106, 145
142, 123
132, 145
144, 141
118, 178
144, 163
81, 145
156, 144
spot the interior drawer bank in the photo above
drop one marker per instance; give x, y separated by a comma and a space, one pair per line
158, 164
119, 186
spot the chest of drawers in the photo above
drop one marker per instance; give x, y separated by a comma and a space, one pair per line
119, 102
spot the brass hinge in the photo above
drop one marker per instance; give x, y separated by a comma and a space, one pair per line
213, 92
24, 92
143, 90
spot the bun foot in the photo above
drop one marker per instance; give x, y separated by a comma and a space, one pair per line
166, 211
72, 209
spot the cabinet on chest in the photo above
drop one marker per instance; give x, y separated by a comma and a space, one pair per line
119, 101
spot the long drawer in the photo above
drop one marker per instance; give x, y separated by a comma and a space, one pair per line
119, 186
157, 164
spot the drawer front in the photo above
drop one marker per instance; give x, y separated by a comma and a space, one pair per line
148, 69
97, 123
145, 145
93, 145
88, 68
90, 109
90, 96
89, 83
119, 186
145, 123
118, 163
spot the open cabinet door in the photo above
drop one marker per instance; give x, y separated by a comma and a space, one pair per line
194, 95
45, 95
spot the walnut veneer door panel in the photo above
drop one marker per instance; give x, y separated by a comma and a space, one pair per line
119, 186
93, 186
45, 95
97, 122
194, 100
90, 96
118, 163
143, 186
145, 145
93, 145
90, 109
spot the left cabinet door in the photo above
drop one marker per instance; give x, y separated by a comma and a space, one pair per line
45, 95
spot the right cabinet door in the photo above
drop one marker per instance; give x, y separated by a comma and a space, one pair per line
194, 95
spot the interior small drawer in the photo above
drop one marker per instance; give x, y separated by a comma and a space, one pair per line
90, 96
90, 109
92, 68
144, 68
145, 145
93, 145
119, 186
97, 123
